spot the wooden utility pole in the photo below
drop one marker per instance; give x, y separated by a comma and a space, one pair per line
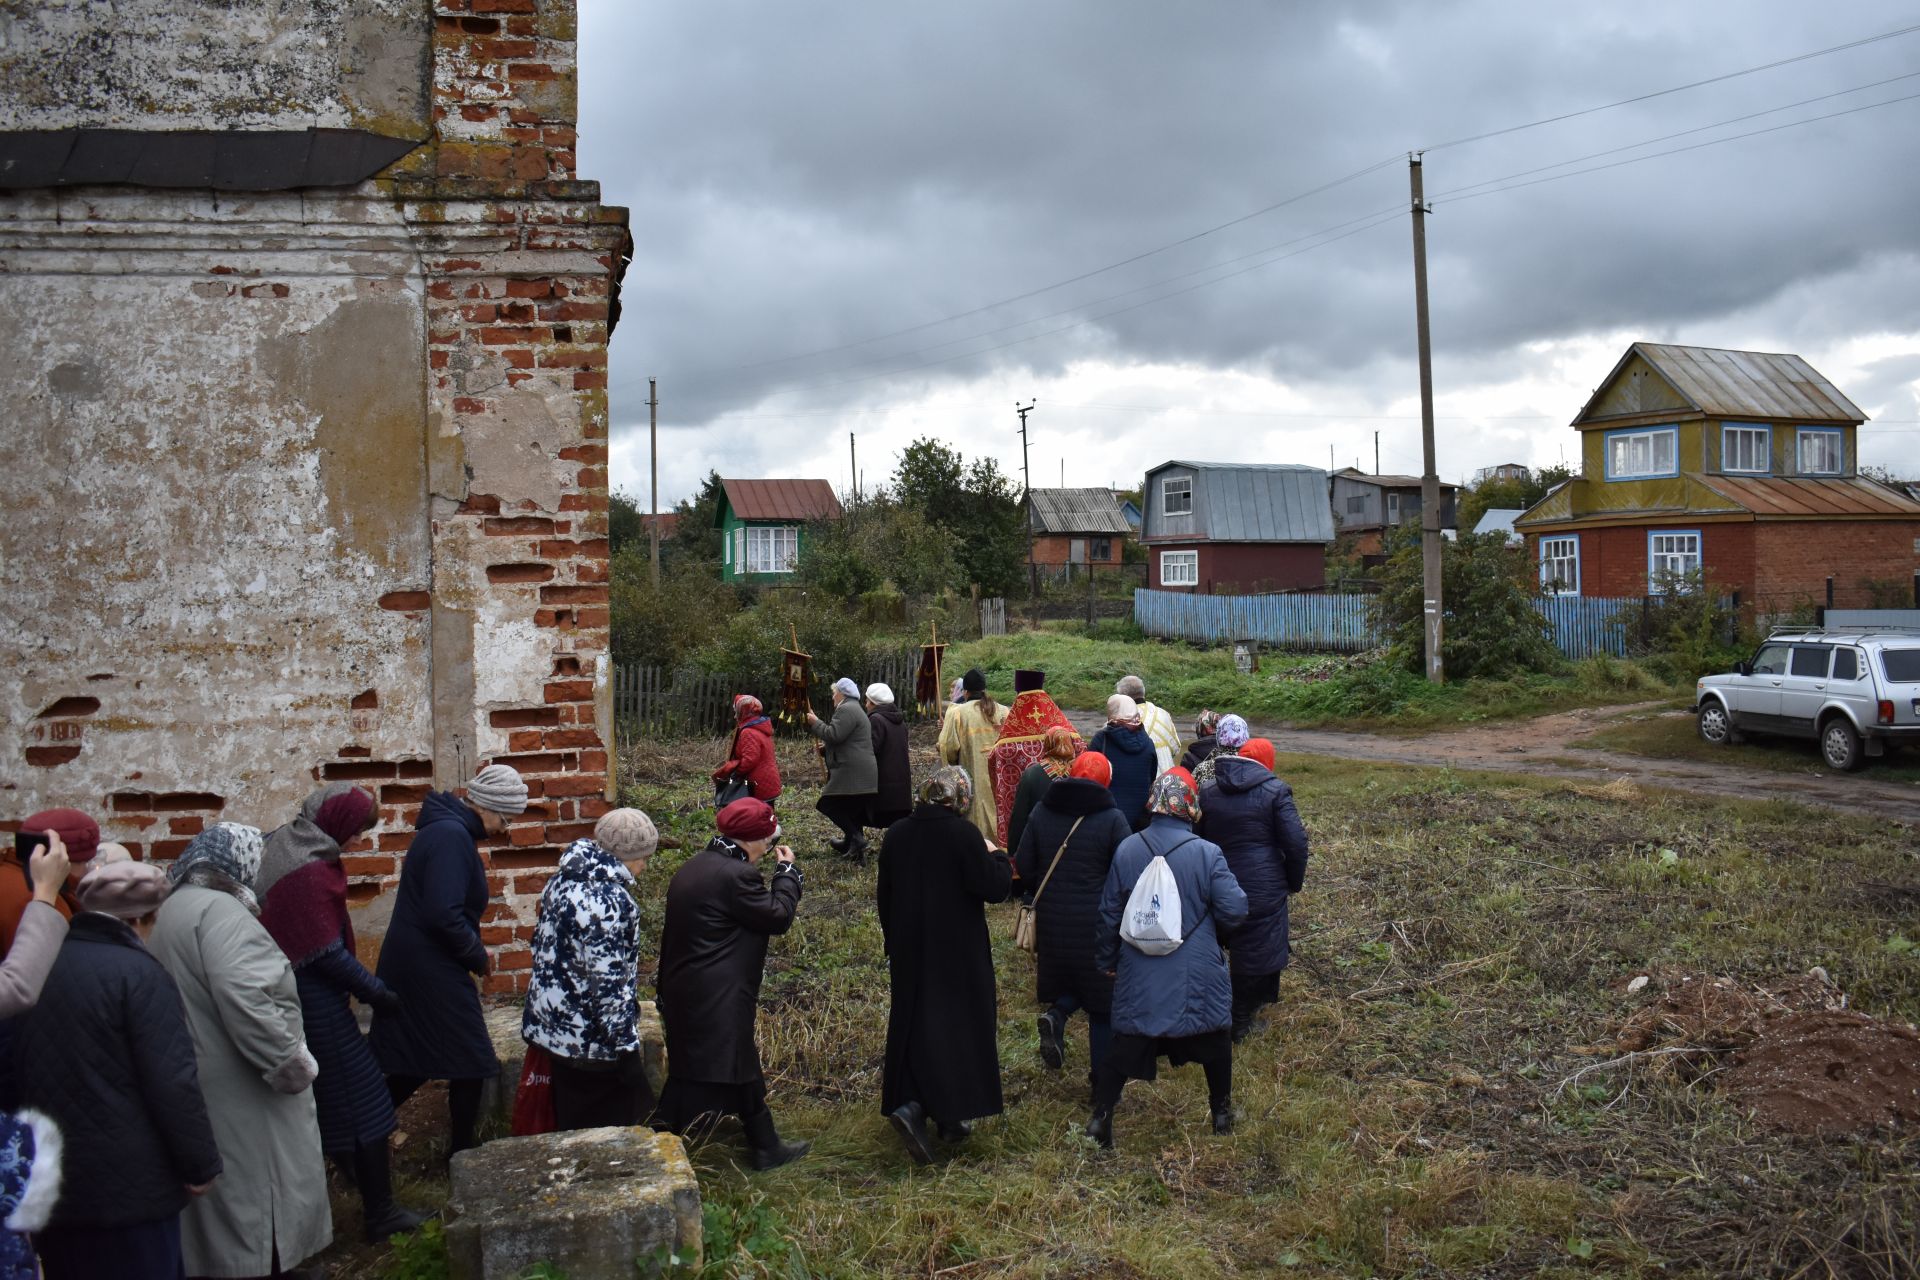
1429, 478
1376, 453
1026, 498
653, 448
853, 468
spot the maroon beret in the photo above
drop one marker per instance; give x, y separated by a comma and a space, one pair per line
748, 819
81, 833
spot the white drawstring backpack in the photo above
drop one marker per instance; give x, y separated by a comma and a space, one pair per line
1151, 922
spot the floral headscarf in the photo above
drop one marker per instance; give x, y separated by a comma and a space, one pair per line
745, 708
1174, 794
950, 788
1061, 746
1232, 733
1207, 724
226, 849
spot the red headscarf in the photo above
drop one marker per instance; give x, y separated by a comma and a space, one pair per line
1260, 749
346, 815
745, 708
1092, 766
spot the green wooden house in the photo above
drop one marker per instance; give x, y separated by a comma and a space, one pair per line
763, 525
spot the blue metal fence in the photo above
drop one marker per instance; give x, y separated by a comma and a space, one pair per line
1582, 625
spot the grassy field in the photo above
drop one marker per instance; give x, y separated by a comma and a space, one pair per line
1299, 689
1435, 1096
1665, 736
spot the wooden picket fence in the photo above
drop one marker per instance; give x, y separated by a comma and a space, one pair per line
660, 702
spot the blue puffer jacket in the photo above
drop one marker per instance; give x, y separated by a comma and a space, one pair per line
1130, 752
1186, 992
1249, 813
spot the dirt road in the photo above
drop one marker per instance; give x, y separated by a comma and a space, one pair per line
1540, 746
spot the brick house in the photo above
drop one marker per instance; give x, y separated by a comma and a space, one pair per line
1076, 527
1740, 464
1365, 506
763, 525
1236, 527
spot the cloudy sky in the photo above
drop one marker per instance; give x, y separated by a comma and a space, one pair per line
1183, 229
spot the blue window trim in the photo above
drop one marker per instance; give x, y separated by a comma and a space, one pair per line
1541, 558
1606, 452
1746, 426
1653, 588
1800, 433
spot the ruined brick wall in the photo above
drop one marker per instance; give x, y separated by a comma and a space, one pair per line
313, 486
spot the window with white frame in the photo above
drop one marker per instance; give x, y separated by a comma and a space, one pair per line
1179, 568
1176, 496
740, 549
1671, 554
1746, 449
772, 548
1393, 508
1819, 453
1634, 454
1560, 565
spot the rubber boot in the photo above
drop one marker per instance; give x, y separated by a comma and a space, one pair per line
1053, 1048
384, 1218
1100, 1129
909, 1120
765, 1150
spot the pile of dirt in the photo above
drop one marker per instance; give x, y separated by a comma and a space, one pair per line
1829, 1072
1715, 1015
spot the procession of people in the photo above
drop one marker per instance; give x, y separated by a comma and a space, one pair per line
180, 1055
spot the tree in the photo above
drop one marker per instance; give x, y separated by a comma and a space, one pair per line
1509, 494
1492, 630
696, 538
878, 541
626, 524
974, 503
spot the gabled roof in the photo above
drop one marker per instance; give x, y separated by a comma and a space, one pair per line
781, 499
1497, 520
1256, 502
1852, 496
1718, 383
1386, 481
1075, 511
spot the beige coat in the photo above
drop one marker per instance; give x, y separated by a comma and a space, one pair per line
35, 944
255, 1071
966, 736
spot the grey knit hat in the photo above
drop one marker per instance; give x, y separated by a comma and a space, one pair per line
500, 789
127, 890
627, 834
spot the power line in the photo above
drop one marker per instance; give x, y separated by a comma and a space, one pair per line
1679, 88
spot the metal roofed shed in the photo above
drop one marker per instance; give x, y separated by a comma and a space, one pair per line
1075, 511
1237, 526
763, 525
781, 499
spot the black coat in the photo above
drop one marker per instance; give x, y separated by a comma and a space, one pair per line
1250, 814
1034, 781
107, 1054
431, 949
894, 800
943, 1049
1069, 911
1131, 753
713, 951
1200, 749
350, 1096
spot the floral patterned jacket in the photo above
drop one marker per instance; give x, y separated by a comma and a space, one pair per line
583, 1000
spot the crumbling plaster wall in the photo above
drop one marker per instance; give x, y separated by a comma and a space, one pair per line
313, 485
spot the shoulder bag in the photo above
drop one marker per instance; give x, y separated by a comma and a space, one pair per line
1026, 923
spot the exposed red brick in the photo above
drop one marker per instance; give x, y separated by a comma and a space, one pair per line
185, 801
365, 700
130, 801
517, 357
524, 740
524, 836
357, 770
406, 601
590, 381
402, 793
394, 841
368, 865
507, 525
163, 850
356, 753
568, 832
51, 757
573, 595
590, 617
569, 690
185, 826
529, 288
480, 504
493, 935
525, 717
595, 806
566, 664
519, 572
544, 762
69, 707
575, 785
572, 738
593, 762
416, 768
518, 860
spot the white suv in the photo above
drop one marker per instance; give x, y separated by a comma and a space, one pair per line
1855, 691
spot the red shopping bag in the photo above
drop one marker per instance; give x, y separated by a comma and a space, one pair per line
533, 1101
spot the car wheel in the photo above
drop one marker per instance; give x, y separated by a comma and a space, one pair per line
1715, 727
1840, 745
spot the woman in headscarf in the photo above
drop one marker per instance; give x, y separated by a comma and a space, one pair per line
1065, 851
269, 1210
937, 872
1205, 725
751, 758
893, 796
1176, 1006
967, 736
1250, 814
1059, 749
1024, 735
583, 1003
846, 744
303, 904
1229, 736
1125, 744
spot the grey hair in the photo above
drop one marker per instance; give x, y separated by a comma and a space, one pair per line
1133, 686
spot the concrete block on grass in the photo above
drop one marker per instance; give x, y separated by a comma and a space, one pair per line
592, 1203
503, 1025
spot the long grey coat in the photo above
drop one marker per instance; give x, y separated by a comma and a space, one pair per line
244, 1013
851, 768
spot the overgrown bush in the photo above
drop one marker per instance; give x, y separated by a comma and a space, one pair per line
880, 543
1492, 631
663, 627
1693, 628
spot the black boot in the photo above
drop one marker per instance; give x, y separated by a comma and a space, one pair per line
958, 1131
384, 1218
1100, 1129
1053, 1049
765, 1150
1223, 1119
909, 1120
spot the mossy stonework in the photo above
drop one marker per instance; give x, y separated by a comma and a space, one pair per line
311, 484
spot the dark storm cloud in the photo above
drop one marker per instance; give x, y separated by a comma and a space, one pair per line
802, 177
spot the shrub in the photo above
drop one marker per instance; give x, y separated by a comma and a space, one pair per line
663, 626
1492, 630
1693, 629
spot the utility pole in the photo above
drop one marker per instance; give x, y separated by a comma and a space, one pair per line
853, 468
653, 448
1026, 498
1429, 478
1376, 453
